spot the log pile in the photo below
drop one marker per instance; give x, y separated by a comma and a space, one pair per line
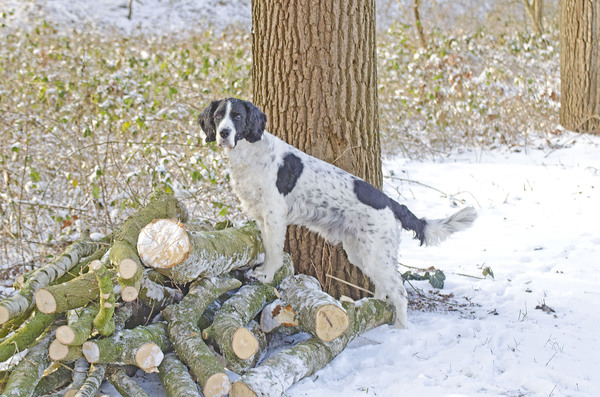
168, 295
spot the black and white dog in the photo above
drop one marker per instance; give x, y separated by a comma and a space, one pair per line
279, 185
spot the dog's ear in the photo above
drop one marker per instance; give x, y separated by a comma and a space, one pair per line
256, 122
207, 122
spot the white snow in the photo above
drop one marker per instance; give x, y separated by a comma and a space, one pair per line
537, 230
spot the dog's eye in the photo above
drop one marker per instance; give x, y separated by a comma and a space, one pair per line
218, 116
237, 116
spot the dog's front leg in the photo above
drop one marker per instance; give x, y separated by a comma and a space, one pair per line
273, 236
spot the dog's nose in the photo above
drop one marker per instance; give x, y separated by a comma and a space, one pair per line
225, 132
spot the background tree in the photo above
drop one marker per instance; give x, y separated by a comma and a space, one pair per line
580, 65
315, 76
534, 10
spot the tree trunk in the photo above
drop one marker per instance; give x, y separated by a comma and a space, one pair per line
580, 65
534, 10
419, 24
315, 76
285, 368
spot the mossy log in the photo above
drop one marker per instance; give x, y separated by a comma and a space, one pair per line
185, 255
185, 335
26, 335
22, 300
155, 294
70, 295
282, 370
79, 326
176, 378
14, 323
142, 346
59, 352
104, 322
126, 386
92, 382
80, 373
25, 377
236, 342
55, 376
124, 256
318, 313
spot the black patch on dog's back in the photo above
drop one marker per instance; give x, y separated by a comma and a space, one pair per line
370, 195
373, 197
288, 173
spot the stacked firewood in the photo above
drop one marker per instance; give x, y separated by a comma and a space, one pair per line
166, 295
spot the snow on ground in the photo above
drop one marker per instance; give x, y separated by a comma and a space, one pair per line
538, 232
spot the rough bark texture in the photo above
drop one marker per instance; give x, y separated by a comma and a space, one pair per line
51, 381
186, 336
279, 316
176, 378
141, 346
317, 312
280, 371
104, 322
237, 344
315, 76
79, 327
23, 299
580, 65
184, 255
126, 386
27, 374
26, 335
92, 382
70, 295
156, 295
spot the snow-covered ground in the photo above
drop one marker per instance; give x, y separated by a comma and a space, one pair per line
537, 231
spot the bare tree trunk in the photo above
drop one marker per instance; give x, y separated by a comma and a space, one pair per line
534, 10
580, 65
315, 76
419, 24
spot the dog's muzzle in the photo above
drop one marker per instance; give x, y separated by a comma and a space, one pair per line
225, 138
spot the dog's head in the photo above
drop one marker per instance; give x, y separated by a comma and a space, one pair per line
230, 120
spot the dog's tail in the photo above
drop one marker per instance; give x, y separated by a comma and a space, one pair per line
433, 231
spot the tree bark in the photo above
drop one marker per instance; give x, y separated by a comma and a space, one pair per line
104, 322
580, 65
92, 382
185, 255
53, 380
236, 343
126, 386
277, 316
25, 335
186, 337
79, 326
419, 24
317, 312
282, 370
315, 76
534, 9
25, 377
141, 346
176, 378
22, 300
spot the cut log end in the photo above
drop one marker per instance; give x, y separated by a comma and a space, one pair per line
148, 357
91, 352
331, 321
244, 344
45, 301
218, 385
129, 294
239, 389
4, 315
58, 351
95, 265
128, 268
163, 244
65, 334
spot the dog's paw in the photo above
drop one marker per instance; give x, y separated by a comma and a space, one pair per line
259, 274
